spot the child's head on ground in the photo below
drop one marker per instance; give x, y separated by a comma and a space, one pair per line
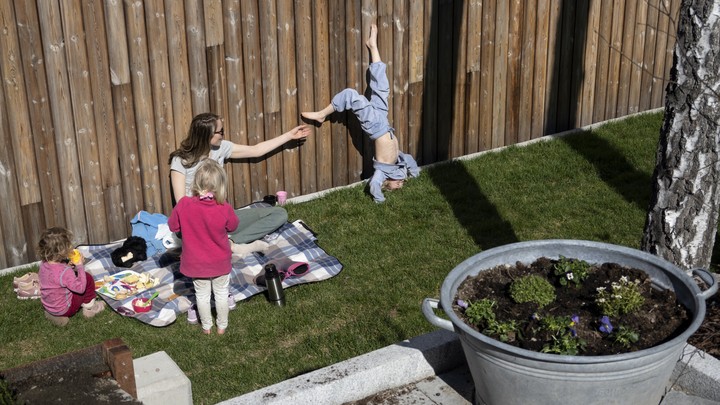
392, 184
55, 244
210, 181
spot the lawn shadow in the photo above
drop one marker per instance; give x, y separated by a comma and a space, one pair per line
612, 167
473, 210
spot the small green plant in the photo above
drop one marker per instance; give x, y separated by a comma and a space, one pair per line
532, 288
505, 331
481, 312
623, 297
563, 334
625, 336
571, 270
7, 396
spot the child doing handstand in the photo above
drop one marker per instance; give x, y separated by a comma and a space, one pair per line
65, 287
391, 165
205, 219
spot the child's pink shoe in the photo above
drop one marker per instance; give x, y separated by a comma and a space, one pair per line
94, 310
24, 279
28, 291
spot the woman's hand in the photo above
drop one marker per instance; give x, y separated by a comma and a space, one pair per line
299, 132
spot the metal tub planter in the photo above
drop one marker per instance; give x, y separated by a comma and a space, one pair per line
504, 374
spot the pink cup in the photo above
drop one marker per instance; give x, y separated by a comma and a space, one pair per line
281, 197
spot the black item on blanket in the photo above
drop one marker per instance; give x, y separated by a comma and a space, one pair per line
134, 249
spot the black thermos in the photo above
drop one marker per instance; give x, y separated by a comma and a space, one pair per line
276, 294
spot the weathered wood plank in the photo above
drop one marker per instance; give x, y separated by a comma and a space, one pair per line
565, 78
603, 59
59, 101
415, 76
143, 102
306, 98
513, 84
91, 186
34, 224
500, 91
195, 34
290, 117
648, 61
116, 33
430, 100
180, 71
540, 82
18, 122
339, 60
553, 67
459, 71
638, 50
487, 75
236, 119
132, 188
400, 72
40, 114
97, 48
254, 93
162, 99
213, 22
355, 48
660, 72
527, 71
321, 82
616, 56
589, 62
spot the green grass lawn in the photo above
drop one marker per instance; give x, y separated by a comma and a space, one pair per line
594, 185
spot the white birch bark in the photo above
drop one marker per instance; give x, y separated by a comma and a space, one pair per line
683, 211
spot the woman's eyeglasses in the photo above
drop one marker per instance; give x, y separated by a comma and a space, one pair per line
221, 132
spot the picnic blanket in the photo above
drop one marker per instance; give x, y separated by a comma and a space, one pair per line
295, 241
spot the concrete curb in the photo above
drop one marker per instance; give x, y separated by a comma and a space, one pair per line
431, 354
390, 367
698, 373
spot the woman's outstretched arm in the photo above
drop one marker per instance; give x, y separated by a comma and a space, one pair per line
262, 148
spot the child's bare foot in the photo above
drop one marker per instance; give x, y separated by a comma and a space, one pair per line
221, 331
372, 39
314, 116
207, 331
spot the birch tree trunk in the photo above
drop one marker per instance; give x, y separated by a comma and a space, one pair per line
683, 212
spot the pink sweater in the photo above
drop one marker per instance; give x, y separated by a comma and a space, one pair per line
57, 284
205, 245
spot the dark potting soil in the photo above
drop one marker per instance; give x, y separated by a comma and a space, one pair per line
660, 318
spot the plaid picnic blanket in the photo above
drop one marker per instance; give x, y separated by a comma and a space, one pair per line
175, 291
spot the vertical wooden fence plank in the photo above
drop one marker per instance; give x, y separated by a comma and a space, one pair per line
290, 116
195, 32
321, 82
213, 22
338, 76
117, 36
33, 224
472, 71
589, 62
40, 113
616, 56
306, 98
143, 101
459, 72
626, 58
271, 93
566, 42
400, 72
553, 67
355, 71
527, 70
98, 60
59, 101
603, 59
179, 70
254, 93
648, 60
638, 50
130, 166
430, 131
161, 96
13, 247
487, 75
371, 14
513, 83
659, 71
500, 92
236, 119
18, 115
416, 60
540, 76
217, 95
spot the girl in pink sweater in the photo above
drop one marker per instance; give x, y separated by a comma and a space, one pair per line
65, 287
204, 219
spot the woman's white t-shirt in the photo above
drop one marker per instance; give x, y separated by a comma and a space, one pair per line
218, 154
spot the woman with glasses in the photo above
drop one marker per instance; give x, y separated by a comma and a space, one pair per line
205, 139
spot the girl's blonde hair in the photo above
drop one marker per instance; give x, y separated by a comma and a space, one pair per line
210, 177
55, 244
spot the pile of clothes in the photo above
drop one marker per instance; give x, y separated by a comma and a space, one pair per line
27, 286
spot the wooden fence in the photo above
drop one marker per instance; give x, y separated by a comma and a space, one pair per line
97, 93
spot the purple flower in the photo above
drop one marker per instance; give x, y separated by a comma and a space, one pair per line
462, 304
605, 325
575, 320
